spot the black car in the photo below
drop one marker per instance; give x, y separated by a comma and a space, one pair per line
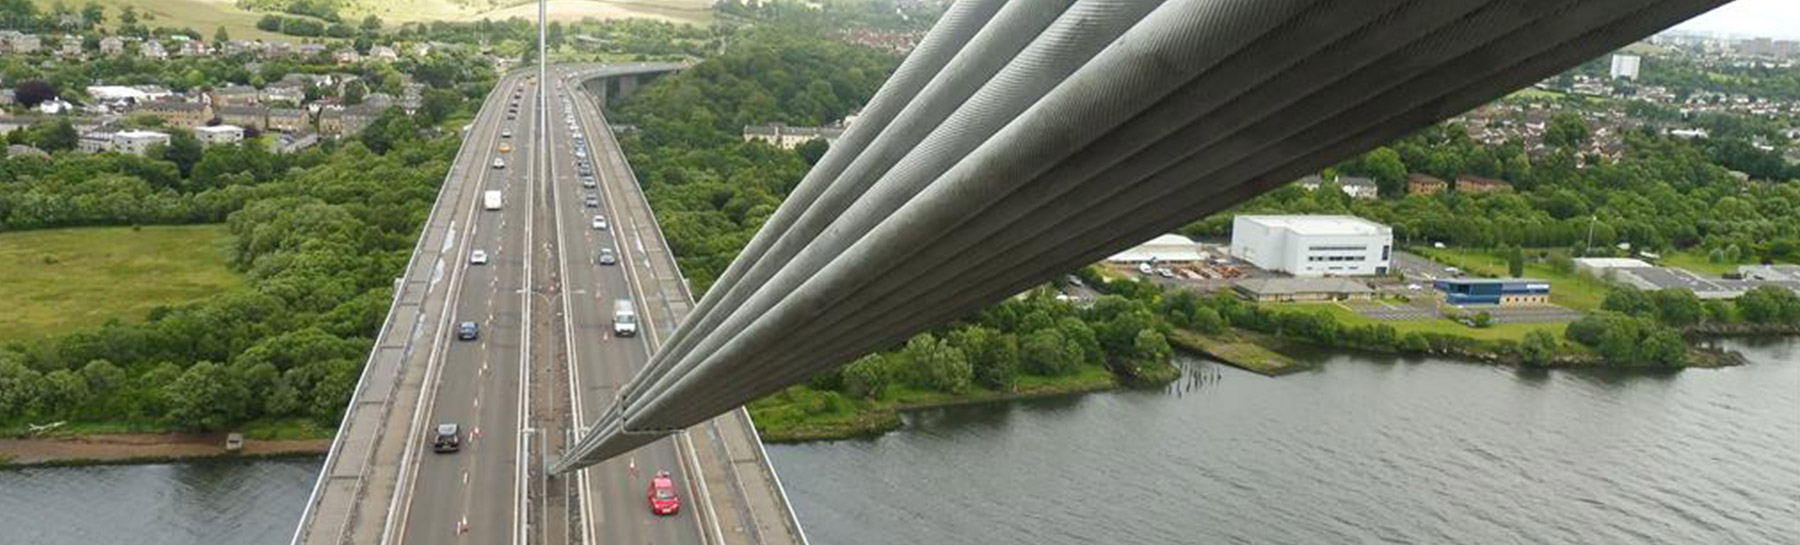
448, 439
468, 331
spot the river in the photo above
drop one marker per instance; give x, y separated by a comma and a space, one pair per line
1361, 450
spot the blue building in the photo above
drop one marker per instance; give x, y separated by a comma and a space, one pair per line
1494, 291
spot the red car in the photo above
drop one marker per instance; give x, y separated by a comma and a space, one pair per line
663, 500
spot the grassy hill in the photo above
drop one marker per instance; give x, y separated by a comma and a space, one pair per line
55, 281
206, 15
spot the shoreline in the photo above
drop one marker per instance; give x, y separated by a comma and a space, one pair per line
145, 448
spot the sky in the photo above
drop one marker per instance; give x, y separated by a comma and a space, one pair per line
1757, 18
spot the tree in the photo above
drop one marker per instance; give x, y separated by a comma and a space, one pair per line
59, 136
867, 377
1629, 300
269, 23
813, 150
354, 93
1539, 348
994, 356
1769, 305
1384, 165
184, 150
1149, 348
93, 14
1515, 262
31, 93
1677, 307
371, 24
1566, 130
937, 365
1482, 319
1046, 352
220, 36
1207, 320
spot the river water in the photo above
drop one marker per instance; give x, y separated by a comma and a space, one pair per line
1361, 450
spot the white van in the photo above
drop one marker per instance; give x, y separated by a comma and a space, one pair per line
624, 318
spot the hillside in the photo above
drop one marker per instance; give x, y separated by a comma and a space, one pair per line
206, 15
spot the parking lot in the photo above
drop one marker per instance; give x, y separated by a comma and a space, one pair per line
1531, 314
1393, 311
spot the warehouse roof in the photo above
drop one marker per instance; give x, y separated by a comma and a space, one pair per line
1322, 225
1295, 286
1165, 248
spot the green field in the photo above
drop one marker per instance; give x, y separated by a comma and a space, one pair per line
1566, 289
60, 280
206, 15
201, 15
1348, 317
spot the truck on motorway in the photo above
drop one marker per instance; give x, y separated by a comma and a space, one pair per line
624, 318
491, 199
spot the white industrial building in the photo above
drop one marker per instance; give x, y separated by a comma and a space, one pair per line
1313, 245
1625, 66
1162, 249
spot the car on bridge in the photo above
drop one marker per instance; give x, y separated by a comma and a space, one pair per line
663, 499
506, 133
499, 163
448, 439
607, 257
505, 147
587, 181
468, 331
592, 202
600, 223
478, 257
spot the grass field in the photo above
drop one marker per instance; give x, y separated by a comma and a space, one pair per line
60, 280
206, 15
201, 15
1494, 332
1569, 290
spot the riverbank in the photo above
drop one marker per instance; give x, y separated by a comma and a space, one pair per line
145, 448
1242, 349
800, 413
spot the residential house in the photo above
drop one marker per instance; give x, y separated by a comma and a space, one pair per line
18, 42
383, 53
219, 134
291, 92
234, 95
8, 96
136, 142
95, 141
310, 50
194, 48
1476, 184
347, 56
71, 48
347, 121
178, 113
22, 150
153, 50
379, 100
289, 119
112, 46
1358, 187
55, 106
785, 137
1424, 184
252, 116
292, 143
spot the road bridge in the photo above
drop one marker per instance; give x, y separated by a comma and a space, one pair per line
542, 362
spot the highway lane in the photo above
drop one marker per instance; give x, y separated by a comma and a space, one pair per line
473, 496
614, 504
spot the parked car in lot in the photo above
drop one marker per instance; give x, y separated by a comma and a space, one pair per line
447, 439
468, 331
